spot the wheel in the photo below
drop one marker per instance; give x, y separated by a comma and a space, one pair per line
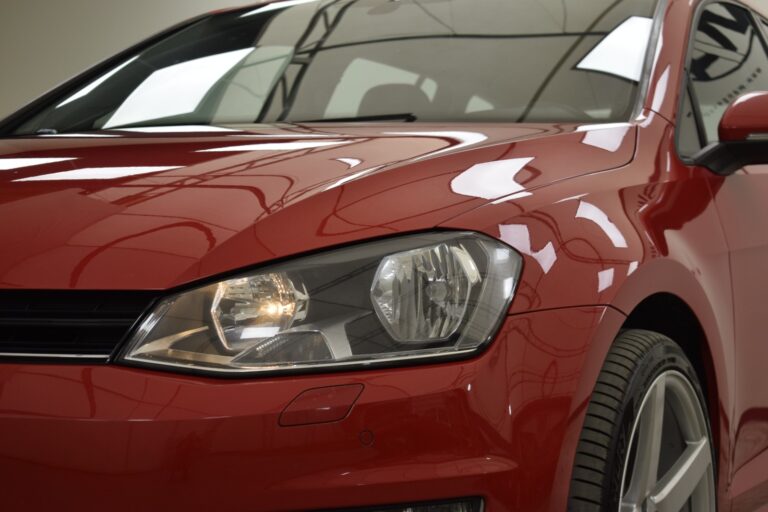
646, 442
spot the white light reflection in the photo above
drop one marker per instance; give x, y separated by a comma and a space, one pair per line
601, 126
604, 280
85, 91
175, 90
622, 52
8, 164
491, 180
465, 139
593, 213
279, 135
632, 267
277, 5
572, 198
352, 177
608, 137
351, 162
509, 286
500, 255
518, 195
275, 146
660, 93
178, 129
97, 173
519, 237
258, 332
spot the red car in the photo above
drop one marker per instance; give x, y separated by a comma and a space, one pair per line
379, 255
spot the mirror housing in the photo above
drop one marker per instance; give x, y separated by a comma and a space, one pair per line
743, 136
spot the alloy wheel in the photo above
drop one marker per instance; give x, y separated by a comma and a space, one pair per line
669, 464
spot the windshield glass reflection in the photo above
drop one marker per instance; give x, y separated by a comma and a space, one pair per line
374, 60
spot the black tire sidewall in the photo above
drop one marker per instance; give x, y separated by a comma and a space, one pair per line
664, 356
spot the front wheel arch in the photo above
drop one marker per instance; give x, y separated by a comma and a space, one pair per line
669, 315
605, 464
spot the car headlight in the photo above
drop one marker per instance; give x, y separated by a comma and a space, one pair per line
413, 297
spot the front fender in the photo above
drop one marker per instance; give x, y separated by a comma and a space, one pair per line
617, 237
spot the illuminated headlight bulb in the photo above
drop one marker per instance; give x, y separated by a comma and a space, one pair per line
258, 307
423, 295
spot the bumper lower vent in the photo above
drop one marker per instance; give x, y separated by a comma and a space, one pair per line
67, 324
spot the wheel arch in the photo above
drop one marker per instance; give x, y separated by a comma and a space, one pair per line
667, 314
694, 310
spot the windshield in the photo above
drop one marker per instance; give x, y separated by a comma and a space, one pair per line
344, 60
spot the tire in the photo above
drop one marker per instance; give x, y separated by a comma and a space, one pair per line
646, 440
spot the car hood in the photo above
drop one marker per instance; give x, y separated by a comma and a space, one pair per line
156, 209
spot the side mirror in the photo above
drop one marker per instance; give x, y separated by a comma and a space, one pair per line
743, 136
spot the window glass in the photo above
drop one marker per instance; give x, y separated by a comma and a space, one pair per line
364, 80
688, 141
442, 61
729, 60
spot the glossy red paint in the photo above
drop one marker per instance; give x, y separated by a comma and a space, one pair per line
320, 405
745, 117
605, 216
129, 436
219, 202
621, 236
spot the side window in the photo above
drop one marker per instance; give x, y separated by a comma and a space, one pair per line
689, 142
729, 59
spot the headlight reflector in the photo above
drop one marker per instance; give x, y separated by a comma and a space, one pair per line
422, 295
412, 297
259, 306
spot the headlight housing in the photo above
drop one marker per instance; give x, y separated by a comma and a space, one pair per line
408, 298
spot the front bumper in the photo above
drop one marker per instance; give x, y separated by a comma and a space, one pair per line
502, 426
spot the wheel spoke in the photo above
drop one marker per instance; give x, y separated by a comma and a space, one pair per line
648, 450
680, 482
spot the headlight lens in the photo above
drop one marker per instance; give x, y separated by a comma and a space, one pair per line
413, 297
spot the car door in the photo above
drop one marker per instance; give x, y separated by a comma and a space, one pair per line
729, 58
